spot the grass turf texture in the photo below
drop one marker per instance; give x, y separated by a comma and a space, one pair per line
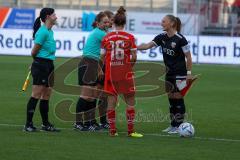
212, 105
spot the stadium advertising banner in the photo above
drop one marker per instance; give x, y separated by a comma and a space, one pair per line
17, 18
70, 44
150, 23
137, 22
79, 20
73, 20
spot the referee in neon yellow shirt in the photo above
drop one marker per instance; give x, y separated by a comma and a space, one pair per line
43, 54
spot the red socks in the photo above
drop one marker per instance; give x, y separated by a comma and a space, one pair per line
130, 114
112, 120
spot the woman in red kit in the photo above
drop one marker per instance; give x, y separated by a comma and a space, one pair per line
119, 49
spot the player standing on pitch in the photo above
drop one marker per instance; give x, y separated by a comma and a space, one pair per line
175, 50
89, 74
119, 50
102, 97
102, 102
43, 54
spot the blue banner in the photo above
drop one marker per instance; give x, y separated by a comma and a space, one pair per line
20, 19
87, 21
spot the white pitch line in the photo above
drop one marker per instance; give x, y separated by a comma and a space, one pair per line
148, 134
200, 138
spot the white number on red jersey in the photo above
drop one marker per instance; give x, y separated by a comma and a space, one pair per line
117, 52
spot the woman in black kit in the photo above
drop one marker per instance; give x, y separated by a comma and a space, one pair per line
178, 61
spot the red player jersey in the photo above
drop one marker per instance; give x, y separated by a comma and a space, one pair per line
117, 46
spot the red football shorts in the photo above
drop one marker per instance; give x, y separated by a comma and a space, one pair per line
119, 87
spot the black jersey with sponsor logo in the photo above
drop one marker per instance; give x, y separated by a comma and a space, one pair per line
173, 49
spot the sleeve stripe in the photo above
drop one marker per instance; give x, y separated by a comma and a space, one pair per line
155, 43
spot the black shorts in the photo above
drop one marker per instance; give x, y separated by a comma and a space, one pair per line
43, 72
171, 83
88, 71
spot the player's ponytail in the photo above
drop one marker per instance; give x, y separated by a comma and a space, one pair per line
43, 15
120, 17
121, 10
36, 26
178, 24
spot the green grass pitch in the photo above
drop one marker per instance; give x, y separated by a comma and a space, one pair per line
213, 106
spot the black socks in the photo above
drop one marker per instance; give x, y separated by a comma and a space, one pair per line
91, 111
177, 111
80, 109
31, 106
102, 106
44, 108
85, 111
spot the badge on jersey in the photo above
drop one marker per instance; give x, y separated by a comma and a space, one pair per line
173, 44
